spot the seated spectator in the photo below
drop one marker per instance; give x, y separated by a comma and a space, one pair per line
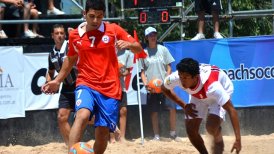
30, 12
16, 3
52, 10
2, 10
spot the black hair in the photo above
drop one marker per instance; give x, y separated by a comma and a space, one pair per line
95, 5
188, 65
57, 26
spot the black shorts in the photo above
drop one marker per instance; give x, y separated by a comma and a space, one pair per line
155, 102
208, 6
67, 100
123, 102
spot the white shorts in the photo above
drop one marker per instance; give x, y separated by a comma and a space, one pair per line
204, 109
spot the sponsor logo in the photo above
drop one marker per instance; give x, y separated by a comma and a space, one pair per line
79, 42
5, 80
168, 81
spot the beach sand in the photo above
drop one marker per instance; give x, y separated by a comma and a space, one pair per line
263, 144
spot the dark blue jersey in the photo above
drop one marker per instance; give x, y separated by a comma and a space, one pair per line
55, 61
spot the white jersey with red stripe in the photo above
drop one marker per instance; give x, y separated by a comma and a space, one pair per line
213, 87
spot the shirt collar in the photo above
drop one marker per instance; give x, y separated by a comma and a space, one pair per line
81, 31
54, 50
63, 48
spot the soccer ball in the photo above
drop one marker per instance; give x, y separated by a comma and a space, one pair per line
81, 148
155, 85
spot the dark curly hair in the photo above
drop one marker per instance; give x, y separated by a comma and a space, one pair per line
188, 65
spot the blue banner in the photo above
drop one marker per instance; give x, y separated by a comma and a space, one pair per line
248, 61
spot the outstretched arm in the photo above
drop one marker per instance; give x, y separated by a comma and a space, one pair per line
236, 126
66, 68
189, 108
170, 94
135, 47
53, 86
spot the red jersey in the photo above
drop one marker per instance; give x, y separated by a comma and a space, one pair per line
97, 61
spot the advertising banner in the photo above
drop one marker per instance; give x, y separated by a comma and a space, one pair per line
11, 83
36, 65
248, 61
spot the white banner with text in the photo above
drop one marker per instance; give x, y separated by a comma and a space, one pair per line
11, 82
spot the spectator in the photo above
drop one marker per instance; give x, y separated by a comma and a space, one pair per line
157, 65
30, 11
2, 10
210, 91
204, 6
16, 3
126, 62
93, 46
52, 10
55, 61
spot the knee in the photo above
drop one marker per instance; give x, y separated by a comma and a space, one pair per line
27, 6
34, 13
213, 130
62, 117
82, 115
123, 111
2, 10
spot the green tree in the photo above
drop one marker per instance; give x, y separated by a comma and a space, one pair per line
252, 26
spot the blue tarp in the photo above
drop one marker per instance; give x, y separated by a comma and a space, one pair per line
248, 61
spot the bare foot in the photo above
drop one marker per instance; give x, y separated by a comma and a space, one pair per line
122, 140
117, 133
218, 147
112, 140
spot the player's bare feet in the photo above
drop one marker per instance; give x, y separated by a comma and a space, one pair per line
117, 133
122, 140
112, 140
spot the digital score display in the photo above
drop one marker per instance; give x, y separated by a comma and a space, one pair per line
150, 3
154, 16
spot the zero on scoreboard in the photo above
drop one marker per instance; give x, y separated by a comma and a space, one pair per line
154, 16
150, 3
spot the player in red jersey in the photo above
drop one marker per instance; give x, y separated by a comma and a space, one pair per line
93, 47
210, 89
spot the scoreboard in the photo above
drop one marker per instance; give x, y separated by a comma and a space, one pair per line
154, 16
152, 11
150, 3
